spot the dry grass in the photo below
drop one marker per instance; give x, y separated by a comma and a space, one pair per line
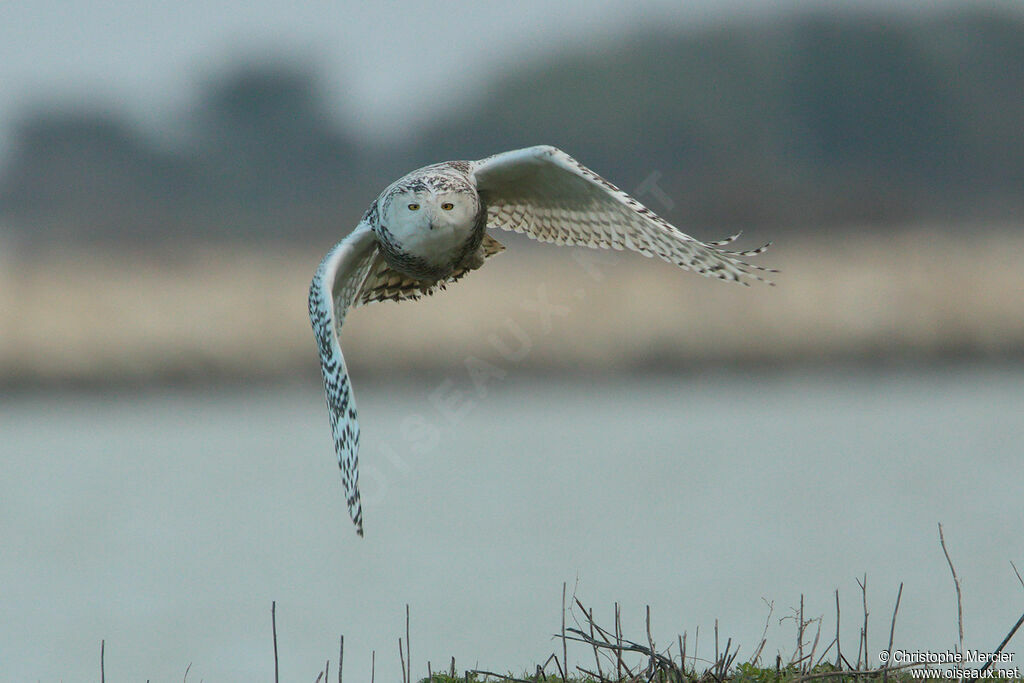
94, 316
603, 653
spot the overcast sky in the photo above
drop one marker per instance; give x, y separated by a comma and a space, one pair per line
385, 65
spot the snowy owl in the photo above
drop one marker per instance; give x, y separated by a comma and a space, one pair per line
429, 228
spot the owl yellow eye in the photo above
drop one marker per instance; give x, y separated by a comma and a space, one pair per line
414, 207
447, 206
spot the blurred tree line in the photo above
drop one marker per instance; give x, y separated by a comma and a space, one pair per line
816, 121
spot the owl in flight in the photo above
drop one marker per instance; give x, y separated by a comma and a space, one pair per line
429, 228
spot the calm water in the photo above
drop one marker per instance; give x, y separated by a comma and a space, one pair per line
166, 523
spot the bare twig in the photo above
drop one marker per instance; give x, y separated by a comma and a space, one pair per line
730, 658
956, 583
565, 660
604, 634
696, 644
592, 674
800, 632
373, 664
864, 631
892, 630
319, 676
558, 665
401, 657
814, 645
764, 634
341, 655
597, 658
650, 642
860, 645
618, 642
503, 677
1017, 573
187, 669
717, 656
826, 650
1003, 644
273, 624
103, 652
619, 647
839, 650
722, 661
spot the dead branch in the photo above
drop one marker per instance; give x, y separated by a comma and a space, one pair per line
565, 656
502, 677
864, 631
1003, 644
764, 634
956, 583
892, 631
273, 624
839, 650
401, 658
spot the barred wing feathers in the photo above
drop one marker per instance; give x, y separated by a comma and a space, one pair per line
335, 286
545, 193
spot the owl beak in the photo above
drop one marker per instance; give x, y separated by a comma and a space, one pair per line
430, 225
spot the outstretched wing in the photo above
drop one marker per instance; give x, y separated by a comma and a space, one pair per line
334, 288
545, 193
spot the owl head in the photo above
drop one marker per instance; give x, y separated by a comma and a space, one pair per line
420, 206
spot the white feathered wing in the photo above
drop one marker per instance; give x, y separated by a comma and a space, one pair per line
545, 193
335, 286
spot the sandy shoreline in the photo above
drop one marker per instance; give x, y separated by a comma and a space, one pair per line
95, 317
